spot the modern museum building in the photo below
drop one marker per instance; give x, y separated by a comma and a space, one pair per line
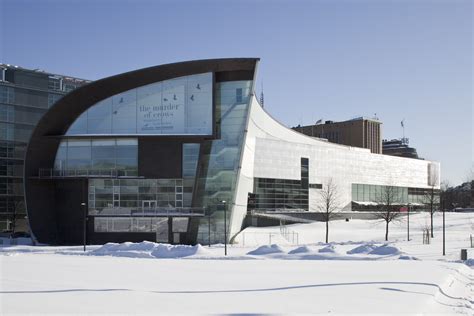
164, 153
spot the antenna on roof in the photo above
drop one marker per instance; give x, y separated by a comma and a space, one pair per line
261, 96
402, 123
404, 140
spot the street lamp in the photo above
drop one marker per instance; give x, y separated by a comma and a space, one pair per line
209, 225
225, 227
84, 226
408, 222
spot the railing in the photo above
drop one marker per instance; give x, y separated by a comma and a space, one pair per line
106, 173
289, 235
277, 211
147, 212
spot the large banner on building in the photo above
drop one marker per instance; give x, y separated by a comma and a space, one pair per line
177, 106
180, 106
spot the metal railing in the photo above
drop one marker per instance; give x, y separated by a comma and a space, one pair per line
291, 236
147, 212
106, 173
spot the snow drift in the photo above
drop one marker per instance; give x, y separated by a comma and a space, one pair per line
265, 250
148, 249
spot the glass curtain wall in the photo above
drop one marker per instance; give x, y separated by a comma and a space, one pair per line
137, 196
401, 195
219, 161
97, 157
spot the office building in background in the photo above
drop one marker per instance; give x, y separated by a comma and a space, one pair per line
25, 95
359, 132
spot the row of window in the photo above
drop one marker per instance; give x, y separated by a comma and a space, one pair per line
98, 154
15, 132
12, 204
11, 149
11, 186
14, 114
106, 196
156, 225
27, 97
58, 83
380, 193
11, 168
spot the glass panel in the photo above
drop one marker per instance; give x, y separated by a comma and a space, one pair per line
101, 155
172, 107
219, 159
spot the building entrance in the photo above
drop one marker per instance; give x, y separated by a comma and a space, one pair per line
149, 204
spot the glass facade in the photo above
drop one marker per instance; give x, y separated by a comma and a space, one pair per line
97, 156
25, 96
283, 194
190, 160
178, 106
402, 195
138, 197
219, 160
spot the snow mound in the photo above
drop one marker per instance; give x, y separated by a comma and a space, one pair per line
265, 250
385, 250
126, 246
365, 248
327, 249
178, 251
408, 258
469, 262
147, 249
302, 249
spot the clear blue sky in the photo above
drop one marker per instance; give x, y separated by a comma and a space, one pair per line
335, 59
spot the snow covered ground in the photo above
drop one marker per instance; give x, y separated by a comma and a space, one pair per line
265, 273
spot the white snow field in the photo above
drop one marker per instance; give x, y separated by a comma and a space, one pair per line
357, 273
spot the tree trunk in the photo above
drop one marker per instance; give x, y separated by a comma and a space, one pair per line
327, 231
386, 231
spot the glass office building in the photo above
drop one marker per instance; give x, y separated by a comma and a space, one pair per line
25, 95
174, 153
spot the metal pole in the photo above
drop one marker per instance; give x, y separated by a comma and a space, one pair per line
225, 228
209, 226
408, 219
84, 225
444, 232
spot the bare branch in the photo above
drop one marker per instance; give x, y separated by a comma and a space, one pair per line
329, 203
389, 204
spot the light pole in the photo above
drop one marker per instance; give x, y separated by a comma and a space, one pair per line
84, 226
225, 227
444, 232
408, 222
209, 225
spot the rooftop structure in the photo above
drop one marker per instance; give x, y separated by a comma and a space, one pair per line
358, 132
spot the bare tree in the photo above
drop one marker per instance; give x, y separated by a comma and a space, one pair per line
329, 203
388, 206
470, 174
431, 201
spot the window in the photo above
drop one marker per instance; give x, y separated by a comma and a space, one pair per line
178, 106
238, 95
54, 83
53, 98
190, 159
98, 156
7, 94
